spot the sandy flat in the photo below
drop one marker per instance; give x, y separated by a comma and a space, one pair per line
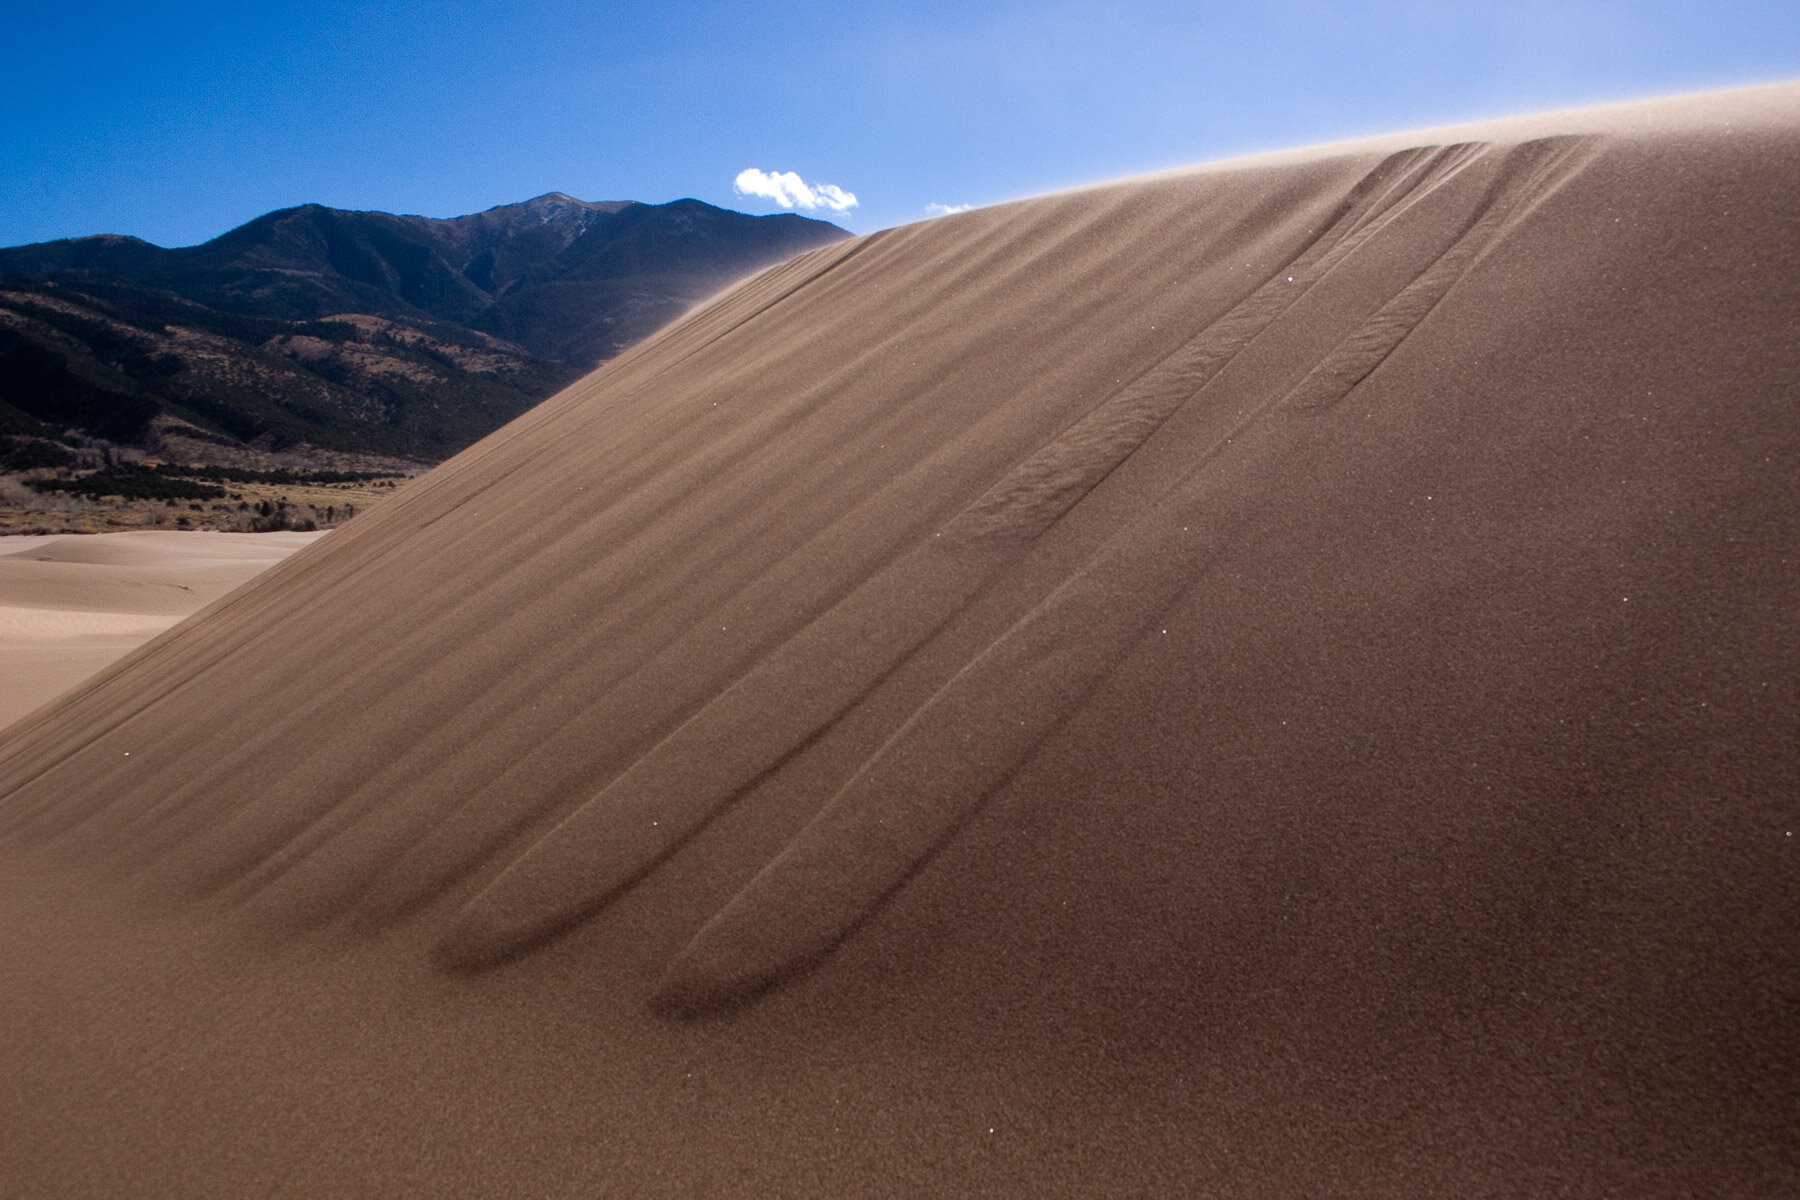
1279, 679
69, 605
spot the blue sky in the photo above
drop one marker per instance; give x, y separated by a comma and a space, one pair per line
176, 122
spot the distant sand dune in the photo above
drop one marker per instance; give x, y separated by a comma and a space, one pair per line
71, 605
1273, 679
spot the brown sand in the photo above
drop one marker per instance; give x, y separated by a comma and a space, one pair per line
70, 605
1277, 679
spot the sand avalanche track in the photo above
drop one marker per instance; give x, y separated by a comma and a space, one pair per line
1267, 679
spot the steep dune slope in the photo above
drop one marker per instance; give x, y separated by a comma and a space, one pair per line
1280, 676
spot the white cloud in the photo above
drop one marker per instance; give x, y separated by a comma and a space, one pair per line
945, 210
790, 191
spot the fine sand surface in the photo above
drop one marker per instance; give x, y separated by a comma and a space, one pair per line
1271, 680
69, 604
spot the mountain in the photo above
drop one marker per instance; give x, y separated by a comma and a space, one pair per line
612, 271
1277, 679
480, 316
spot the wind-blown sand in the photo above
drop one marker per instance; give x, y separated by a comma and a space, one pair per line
1276, 679
69, 605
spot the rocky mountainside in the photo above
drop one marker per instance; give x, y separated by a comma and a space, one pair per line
143, 368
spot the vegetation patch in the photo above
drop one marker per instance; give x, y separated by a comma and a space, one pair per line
130, 481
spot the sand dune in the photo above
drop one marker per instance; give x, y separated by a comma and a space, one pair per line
1274, 679
71, 605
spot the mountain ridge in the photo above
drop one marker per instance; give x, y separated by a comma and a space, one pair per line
311, 261
537, 291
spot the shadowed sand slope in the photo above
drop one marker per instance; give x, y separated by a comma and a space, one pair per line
1273, 678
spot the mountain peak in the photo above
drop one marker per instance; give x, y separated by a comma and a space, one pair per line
110, 239
554, 201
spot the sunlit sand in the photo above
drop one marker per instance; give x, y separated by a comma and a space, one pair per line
70, 605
